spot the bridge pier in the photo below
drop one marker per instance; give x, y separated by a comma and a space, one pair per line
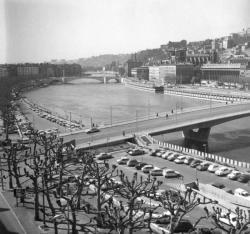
199, 136
105, 80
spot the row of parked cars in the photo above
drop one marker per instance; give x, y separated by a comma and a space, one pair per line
201, 165
148, 168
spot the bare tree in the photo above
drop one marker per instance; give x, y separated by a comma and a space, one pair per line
135, 190
100, 174
230, 222
180, 204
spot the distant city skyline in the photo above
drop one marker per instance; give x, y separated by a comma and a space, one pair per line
38, 31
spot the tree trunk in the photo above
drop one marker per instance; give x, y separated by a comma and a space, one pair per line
74, 230
36, 201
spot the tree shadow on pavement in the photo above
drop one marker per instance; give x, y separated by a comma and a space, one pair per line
3, 209
4, 230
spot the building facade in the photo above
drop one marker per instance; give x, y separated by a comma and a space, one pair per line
173, 74
27, 70
3, 72
221, 72
130, 65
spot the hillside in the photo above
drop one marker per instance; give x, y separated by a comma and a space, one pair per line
102, 60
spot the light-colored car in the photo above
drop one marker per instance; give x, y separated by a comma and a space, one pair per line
173, 156
180, 159
169, 173
234, 175
160, 153
223, 171
212, 168
147, 168
242, 193
132, 162
166, 154
122, 161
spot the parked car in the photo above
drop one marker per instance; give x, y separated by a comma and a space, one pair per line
242, 193
160, 153
154, 152
188, 160
184, 226
203, 166
156, 172
244, 178
135, 152
169, 173
234, 175
223, 171
195, 163
166, 154
180, 159
140, 165
92, 130
172, 157
132, 163
213, 167
103, 156
123, 160
147, 168
218, 185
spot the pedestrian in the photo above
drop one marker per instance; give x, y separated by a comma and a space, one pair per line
166, 116
123, 133
157, 115
172, 111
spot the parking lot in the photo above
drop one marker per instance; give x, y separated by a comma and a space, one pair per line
189, 174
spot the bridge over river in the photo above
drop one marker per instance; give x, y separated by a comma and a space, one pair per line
195, 124
103, 77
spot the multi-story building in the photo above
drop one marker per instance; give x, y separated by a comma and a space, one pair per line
174, 74
141, 73
3, 71
131, 64
242, 60
221, 72
27, 70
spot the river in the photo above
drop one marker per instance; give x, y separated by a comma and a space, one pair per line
104, 103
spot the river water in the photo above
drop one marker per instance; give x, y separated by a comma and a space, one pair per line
103, 103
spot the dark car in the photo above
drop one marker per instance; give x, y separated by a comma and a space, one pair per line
140, 165
195, 163
134, 152
203, 166
92, 130
218, 185
184, 225
244, 178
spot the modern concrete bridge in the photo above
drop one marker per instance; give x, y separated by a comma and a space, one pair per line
195, 123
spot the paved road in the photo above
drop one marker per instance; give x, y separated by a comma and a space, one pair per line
9, 224
160, 125
190, 174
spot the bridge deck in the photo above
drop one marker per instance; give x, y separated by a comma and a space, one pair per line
175, 122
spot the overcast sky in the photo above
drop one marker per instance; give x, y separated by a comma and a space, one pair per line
41, 30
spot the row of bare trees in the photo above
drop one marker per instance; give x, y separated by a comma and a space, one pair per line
75, 190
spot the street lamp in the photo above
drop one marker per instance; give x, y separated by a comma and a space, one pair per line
111, 115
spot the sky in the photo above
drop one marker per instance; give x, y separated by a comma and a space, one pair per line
41, 30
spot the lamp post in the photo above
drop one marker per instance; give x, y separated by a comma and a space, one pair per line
111, 115
136, 116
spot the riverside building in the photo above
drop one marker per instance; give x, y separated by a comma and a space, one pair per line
221, 72
173, 74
